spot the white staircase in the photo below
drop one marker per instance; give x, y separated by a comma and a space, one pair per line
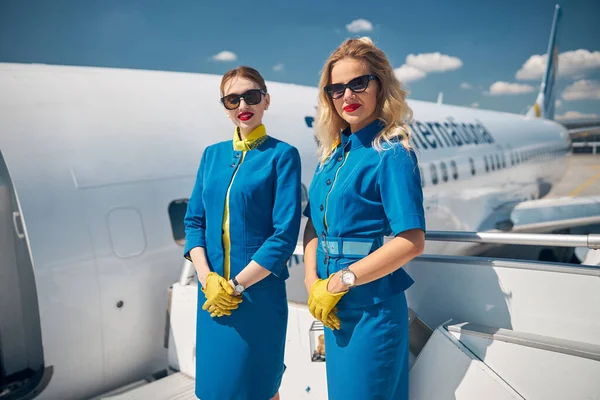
447, 370
536, 366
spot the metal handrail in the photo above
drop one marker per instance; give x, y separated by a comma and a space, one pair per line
591, 241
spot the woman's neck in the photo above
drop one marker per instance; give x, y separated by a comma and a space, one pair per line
362, 124
245, 132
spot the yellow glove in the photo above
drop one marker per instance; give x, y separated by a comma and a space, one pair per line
321, 303
219, 296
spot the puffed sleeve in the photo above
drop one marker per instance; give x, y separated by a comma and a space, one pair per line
195, 221
400, 187
277, 249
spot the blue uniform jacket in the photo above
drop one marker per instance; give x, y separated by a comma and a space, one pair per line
364, 194
264, 206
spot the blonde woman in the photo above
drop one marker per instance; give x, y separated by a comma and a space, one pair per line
367, 186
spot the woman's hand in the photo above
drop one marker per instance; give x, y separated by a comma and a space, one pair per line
335, 284
321, 303
202, 276
219, 296
309, 281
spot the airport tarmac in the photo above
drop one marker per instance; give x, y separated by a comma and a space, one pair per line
582, 177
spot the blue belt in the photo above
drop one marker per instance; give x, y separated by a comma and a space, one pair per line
345, 247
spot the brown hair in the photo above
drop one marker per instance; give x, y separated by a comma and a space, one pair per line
243, 72
391, 108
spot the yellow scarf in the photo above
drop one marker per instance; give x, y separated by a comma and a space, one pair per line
254, 139
334, 145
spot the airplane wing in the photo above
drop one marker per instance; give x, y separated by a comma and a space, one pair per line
546, 215
582, 128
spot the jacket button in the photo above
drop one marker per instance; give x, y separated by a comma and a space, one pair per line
233, 165
339, 158
328, 182
321, 207
237, 156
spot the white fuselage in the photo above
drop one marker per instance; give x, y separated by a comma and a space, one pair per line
96, 156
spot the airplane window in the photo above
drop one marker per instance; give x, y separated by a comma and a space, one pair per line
454, 169
487, 165
472, 166
503, 160
177, 210
422, 177
434, 177
444, 171
492, 163
497, 161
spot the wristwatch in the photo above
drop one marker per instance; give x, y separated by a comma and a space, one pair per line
348, 278
238, 287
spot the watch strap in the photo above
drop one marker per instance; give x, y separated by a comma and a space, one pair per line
237, 285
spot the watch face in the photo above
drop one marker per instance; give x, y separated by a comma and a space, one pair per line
239, 288
348, 278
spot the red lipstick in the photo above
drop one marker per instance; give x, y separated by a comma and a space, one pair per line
245, 116
352, 107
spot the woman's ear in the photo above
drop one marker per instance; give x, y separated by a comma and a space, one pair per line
267, 101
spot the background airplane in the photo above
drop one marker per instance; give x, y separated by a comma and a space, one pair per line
96, 166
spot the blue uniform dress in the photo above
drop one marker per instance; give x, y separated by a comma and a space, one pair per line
358, 196
241, 356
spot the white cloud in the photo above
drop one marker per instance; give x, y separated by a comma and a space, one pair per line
466, 85
407, 73
278, 67
570, 64
583, 89
475, 105
505, 88
418, 65
359, 25
576, 115
433, 62
557, 104
225, 56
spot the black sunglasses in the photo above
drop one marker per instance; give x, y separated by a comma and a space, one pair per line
251, 97
357, 85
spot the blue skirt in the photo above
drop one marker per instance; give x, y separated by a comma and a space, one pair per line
240, 357
367, 358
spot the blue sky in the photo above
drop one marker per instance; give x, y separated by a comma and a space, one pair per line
480, 43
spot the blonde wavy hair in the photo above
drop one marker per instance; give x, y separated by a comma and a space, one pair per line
391, 106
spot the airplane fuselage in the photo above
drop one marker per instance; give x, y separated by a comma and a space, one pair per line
102, 160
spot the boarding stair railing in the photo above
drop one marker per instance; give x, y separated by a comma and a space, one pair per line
534, 325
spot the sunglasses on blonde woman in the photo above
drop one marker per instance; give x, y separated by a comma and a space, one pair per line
357, 85
251, 97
